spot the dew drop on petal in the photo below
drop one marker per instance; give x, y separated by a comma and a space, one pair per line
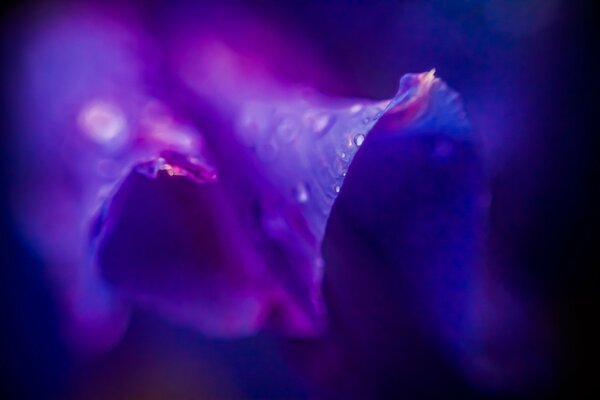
359, 139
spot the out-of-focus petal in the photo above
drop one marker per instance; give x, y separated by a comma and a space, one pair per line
84, 119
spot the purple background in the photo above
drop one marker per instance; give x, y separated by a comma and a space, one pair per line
527, 74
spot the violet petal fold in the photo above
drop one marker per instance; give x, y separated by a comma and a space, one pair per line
242, 252
220, 229
82, 80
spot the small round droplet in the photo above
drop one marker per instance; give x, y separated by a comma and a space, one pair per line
301, 192
337, 188
359, 139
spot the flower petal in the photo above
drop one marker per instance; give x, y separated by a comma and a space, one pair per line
82, 81
272, 200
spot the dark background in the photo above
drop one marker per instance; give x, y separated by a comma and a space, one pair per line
546, 186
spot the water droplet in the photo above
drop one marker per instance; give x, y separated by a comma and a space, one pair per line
337, 188
359, 139
301, 192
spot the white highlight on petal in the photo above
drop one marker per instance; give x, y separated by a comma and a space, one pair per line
301, 192
356, 108
102, 121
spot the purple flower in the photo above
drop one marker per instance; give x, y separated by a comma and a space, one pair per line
204, 189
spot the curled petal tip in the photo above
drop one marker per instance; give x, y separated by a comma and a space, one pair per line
425, 102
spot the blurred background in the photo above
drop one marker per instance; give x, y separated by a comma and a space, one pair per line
527, 72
